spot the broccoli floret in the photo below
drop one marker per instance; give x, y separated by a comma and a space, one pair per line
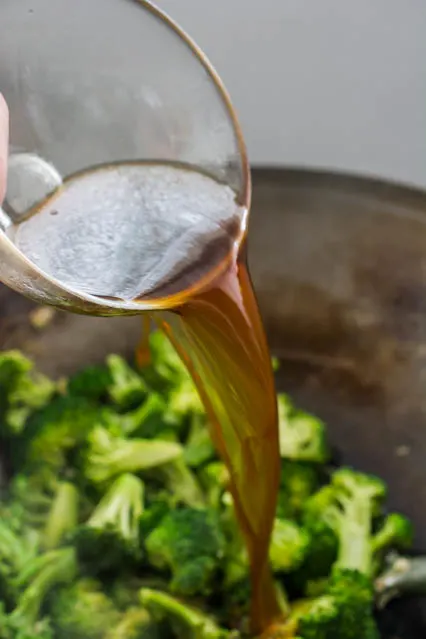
127, 389
346, 609
184, 400
302, 437
182, 483
396, 533
322, 550
38, 580
215, 481
157, 508
136, 623
165, 370
199, 448
55, 432
189, 542
298, 482
19, 547
186, 621
62, 517
93, 383
110, 538
14, 629
152, 420
23, 391
83, 611
358, 500
108, 456
288, 547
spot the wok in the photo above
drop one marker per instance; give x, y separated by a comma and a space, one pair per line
339, 267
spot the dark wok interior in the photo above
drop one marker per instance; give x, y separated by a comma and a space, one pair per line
339, 266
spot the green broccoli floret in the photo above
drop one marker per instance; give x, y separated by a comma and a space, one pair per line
62, 516
152, 420
346, 609
215, 480
396, 533
83, 611
298, 482
302, 436
19, 547
12, 629
358, 500
22, 390
93, 383
188, 542
38, 580
110, 538
186, 621
107, 456
288, 547
56, 432
166, 370
322, 551
136, 623
127, 389
182, 483
199, 448
167, 374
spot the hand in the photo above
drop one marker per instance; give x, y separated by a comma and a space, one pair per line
4, 143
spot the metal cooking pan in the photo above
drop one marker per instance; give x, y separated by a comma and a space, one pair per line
339, 265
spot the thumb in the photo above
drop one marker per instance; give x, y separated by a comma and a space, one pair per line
4, 144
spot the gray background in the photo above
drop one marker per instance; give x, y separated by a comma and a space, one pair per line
329, 83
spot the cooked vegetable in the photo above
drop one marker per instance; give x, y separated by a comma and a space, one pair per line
117, 521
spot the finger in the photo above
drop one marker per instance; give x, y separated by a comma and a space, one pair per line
4, 144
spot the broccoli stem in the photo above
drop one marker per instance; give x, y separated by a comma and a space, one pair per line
404, 576
183, 483
354, 536
60, 567
110, 456
199, 625
122, 505
63, 515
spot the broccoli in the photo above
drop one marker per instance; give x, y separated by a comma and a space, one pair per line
298, 482
56, 432
346, 608
395, 532
62, 516
302, 437
199, 448
189, 542
165, 370
107, 455
215, 480
127, 389
22, 391
19, 547
83, 611
93, 383
186, 621
288, 547
10, 629
110, 538
151, 420
182, 483
136, 623
322, 551
37, 581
